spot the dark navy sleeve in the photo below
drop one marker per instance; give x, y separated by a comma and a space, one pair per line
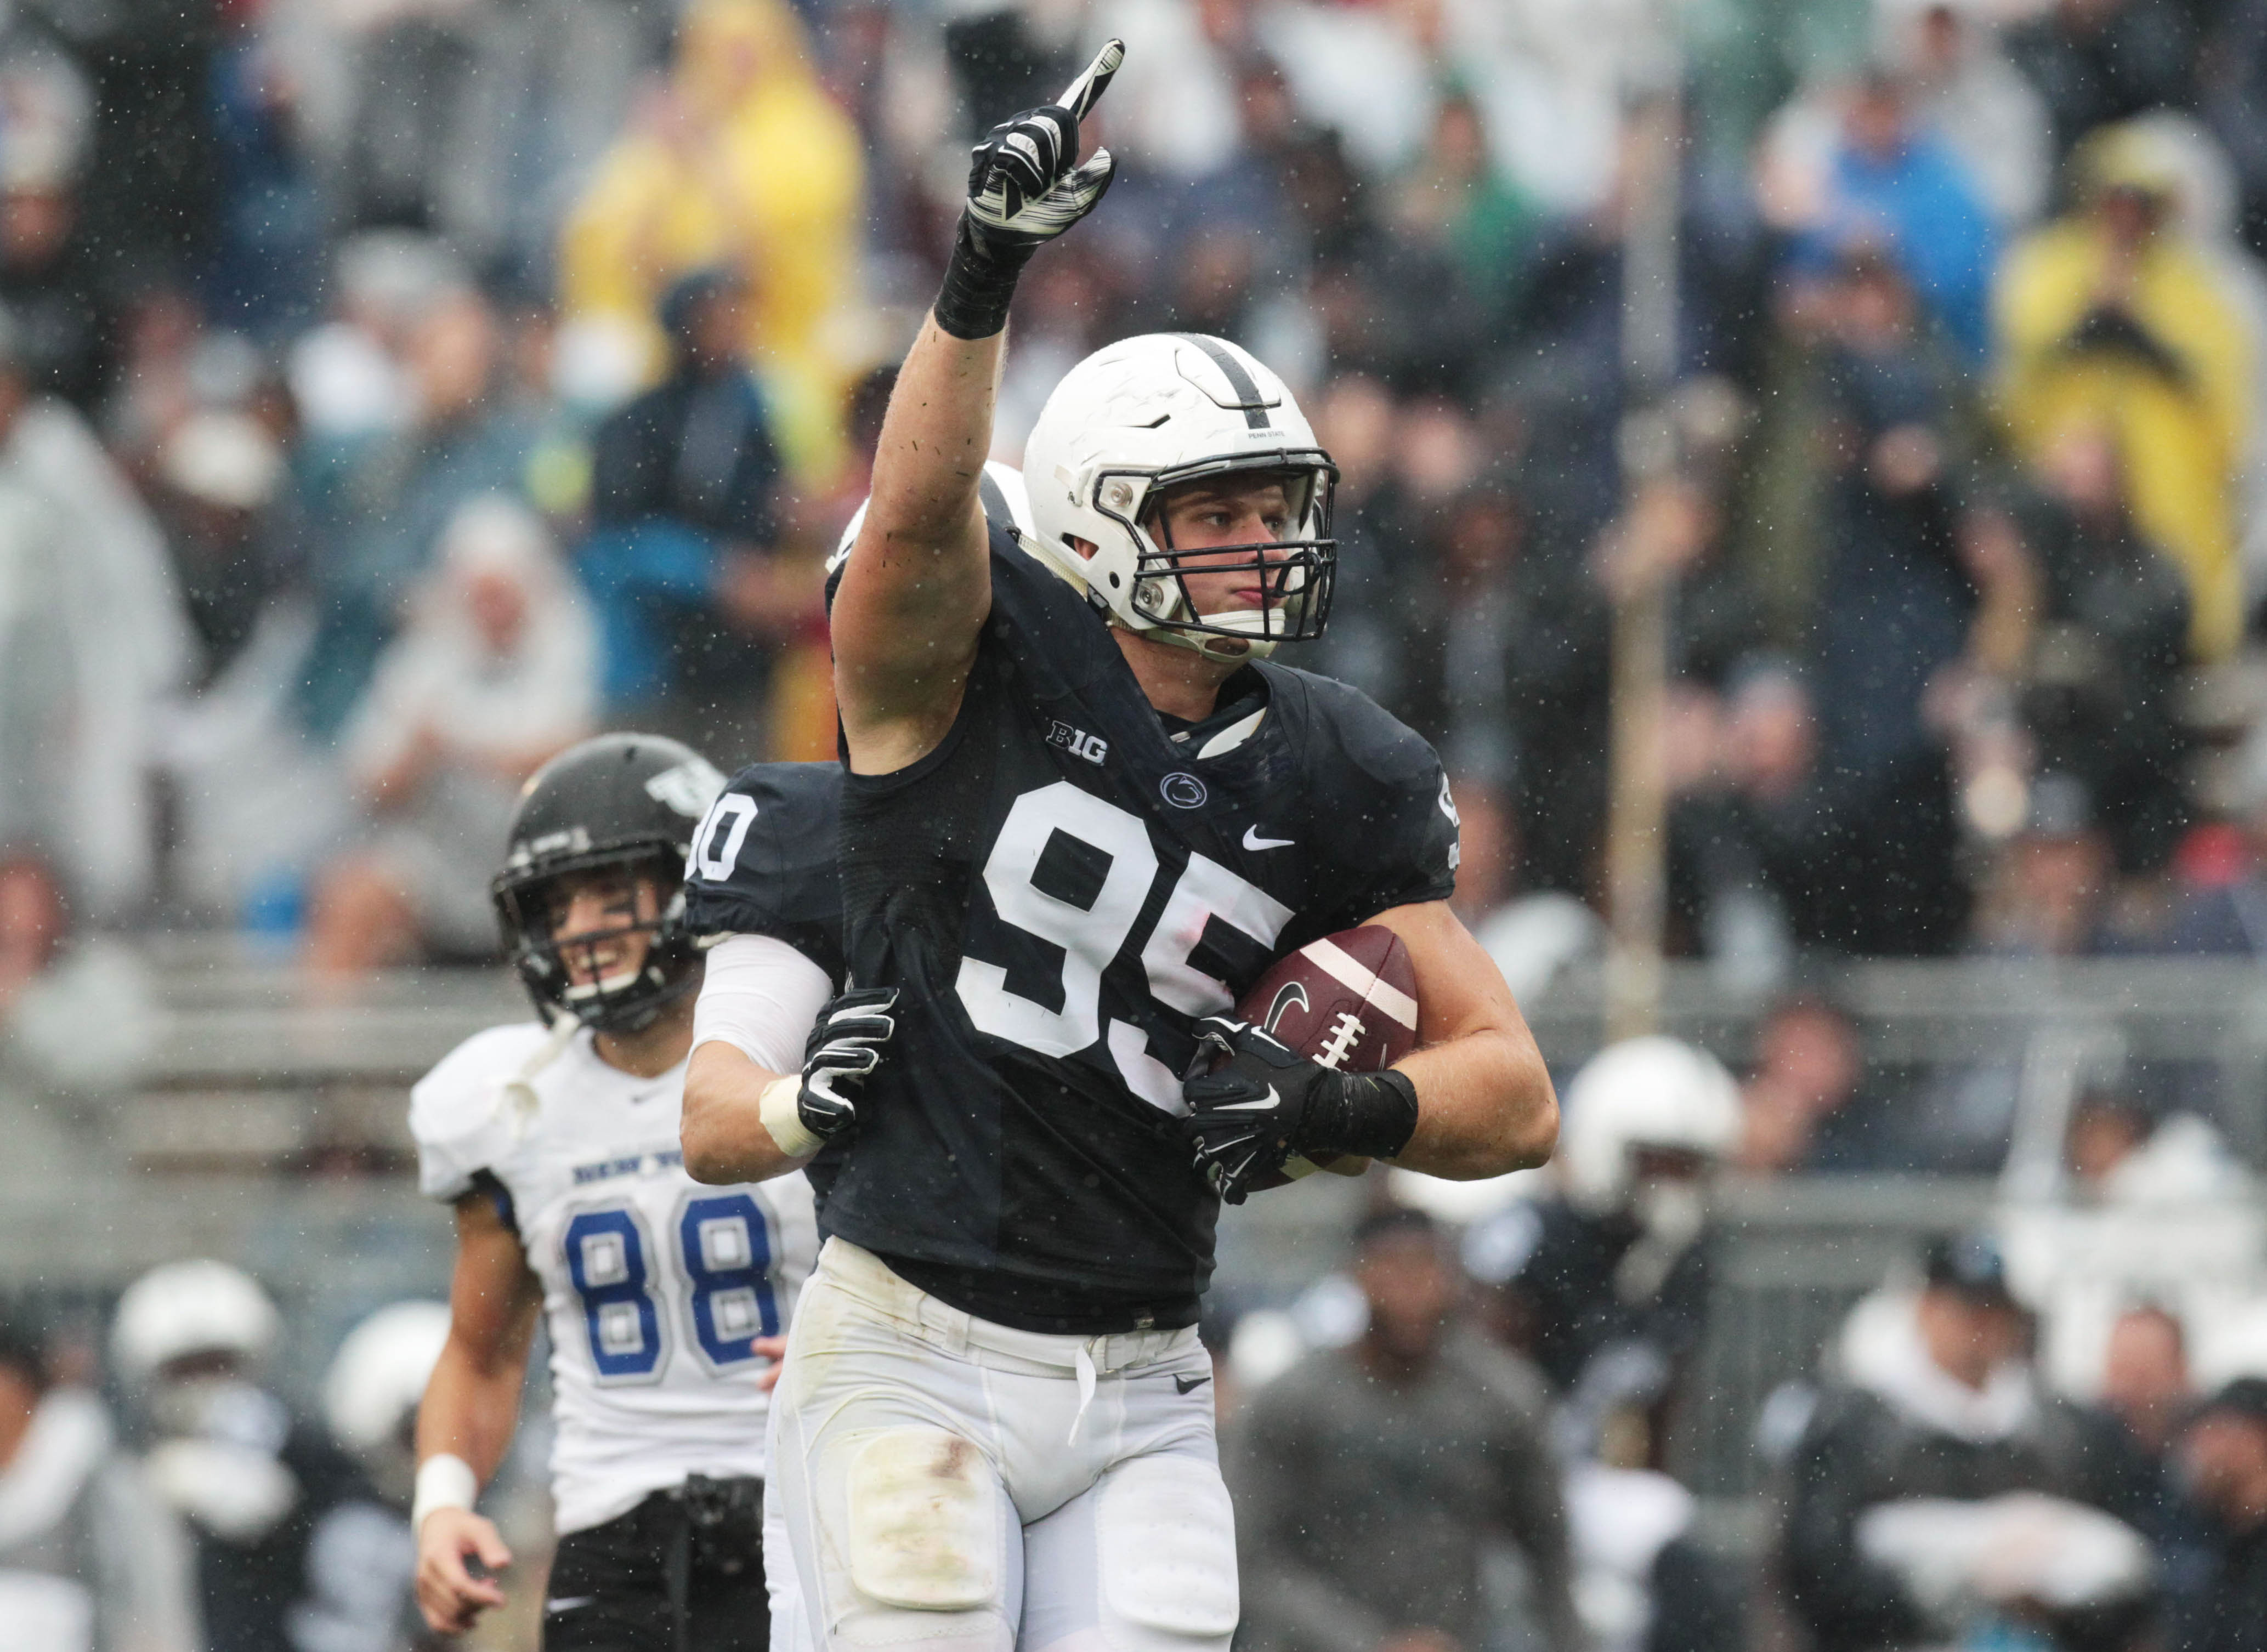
763, 861
1391, 817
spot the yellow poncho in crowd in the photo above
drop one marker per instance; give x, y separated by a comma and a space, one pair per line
744, 161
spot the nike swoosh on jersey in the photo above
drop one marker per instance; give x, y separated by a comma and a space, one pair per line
1252, 841
1271, 1100
569, 1602
1189, 1384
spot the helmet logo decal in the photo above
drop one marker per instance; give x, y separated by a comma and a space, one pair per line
1183, 790
689, 788
1240, 385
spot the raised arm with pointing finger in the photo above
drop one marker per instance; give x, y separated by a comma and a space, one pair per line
918, 585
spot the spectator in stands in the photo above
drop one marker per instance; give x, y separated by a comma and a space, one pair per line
1368, 1479
744, 160
33, 922
2145, 1378
2096, 61
2231, 84
52, 277
684, 504
496, 670
219, 475
1890, 188
1894, 606
1901, 1523
90, 1557
2222, 1604
1457, 200
1797, 1104
1961, 86
93, 640
2050, 888
2114, 317
2109, 627
378, 507
2223, 910
263, 267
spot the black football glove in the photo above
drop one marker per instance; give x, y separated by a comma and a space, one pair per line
1025, 187
844, 1048
1265, 1101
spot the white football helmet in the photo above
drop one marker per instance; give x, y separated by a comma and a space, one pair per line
1651, 1092
1145, 415
379, 1374
185, 1308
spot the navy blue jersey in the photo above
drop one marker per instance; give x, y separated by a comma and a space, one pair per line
1059, 891
763, 861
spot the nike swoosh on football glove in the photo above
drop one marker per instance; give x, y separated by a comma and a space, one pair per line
1262, 1101
1024, 189
844, 1048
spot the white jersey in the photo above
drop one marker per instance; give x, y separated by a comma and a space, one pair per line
653, 1284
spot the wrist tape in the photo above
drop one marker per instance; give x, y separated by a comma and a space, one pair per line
981, 281
783, 1117
443, 1482
1371, 1114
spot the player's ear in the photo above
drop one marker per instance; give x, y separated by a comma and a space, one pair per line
1084, 547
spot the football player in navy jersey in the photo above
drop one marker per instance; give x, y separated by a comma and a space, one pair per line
1084, 809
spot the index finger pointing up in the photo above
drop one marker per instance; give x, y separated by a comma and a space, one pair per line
1086, 90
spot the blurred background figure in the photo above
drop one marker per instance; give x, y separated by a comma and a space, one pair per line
1368, 1479
370, 1397
278, 1518
496, 672
2221, 1601
741, 160
2117, 314
1605, 1283
1799, 1106
89, 1556
1938, 1481
683, 560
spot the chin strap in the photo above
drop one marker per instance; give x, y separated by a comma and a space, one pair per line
1213, 645
519, 1097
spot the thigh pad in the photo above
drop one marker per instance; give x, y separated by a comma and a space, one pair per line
924, 1514
1167, 1535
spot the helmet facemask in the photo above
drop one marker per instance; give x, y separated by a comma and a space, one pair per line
1297, 573
656, 957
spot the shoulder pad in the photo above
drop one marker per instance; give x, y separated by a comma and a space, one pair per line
456, 1110
763, 861
1393, 817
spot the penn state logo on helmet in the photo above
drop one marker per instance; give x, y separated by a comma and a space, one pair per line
1142, 416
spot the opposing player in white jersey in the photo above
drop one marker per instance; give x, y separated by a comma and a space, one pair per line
558, 1145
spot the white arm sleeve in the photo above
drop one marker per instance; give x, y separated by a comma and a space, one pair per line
760, 996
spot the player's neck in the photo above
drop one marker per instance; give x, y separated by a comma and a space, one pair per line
1179, 681
652, 1050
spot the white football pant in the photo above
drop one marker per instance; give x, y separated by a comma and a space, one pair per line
948, 1485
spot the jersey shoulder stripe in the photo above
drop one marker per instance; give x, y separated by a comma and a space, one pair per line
763, 861
457, 1113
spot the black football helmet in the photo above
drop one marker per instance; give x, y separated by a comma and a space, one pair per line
632, 801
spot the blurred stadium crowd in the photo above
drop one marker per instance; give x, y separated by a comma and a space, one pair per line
517, 361
394, 393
